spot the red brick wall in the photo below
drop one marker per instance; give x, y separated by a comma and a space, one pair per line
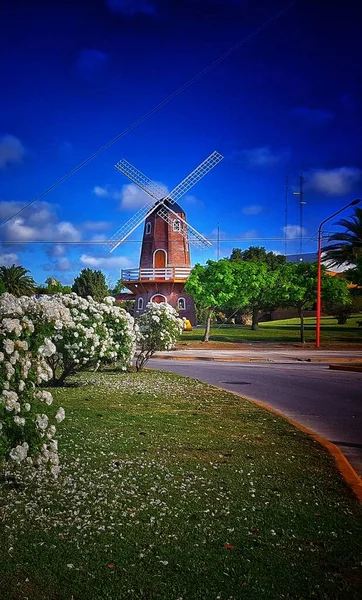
163, 237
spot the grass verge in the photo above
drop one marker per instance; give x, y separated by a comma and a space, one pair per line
172, 489
283, 331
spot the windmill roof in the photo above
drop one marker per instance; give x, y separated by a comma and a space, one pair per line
174, 206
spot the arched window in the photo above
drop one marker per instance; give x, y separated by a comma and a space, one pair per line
148, 228
176, 225
140, 304
158, 298
181, 304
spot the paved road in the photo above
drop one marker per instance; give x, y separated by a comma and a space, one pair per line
328, 402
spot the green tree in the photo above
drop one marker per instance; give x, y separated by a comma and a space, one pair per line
2, 287
259, 288
16, 281
91, 283
118, 287
355, 275
347, 246
301, 285
53, 286
212, 286
258, 254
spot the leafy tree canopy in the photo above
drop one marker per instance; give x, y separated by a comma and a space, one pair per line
259, 287
91, 283
16, 281
53, 286
211, 286
347, 246
301, 282
258, 254
119, 286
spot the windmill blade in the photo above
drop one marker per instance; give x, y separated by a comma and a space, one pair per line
209, 163
126, 229
145, 183
188, 232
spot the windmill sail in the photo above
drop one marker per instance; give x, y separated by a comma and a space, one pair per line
156, 192
126, 229
186, 184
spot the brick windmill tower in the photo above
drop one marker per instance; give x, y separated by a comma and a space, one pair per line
165, 262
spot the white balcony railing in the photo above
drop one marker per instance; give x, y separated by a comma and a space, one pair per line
166, 274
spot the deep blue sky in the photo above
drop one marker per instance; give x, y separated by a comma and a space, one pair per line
74, 74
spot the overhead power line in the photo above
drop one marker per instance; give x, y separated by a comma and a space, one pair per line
156, 108
128, 241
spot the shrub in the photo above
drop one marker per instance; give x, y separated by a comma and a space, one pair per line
27, 429
159, 328
98, 333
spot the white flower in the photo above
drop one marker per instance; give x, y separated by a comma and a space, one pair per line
8, 346
45, 396
60, 415
19, 453
47, 349
27, 406
19, 420
42, 421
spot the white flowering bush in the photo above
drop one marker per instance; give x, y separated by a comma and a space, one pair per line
27, 418
159, 328
99, 333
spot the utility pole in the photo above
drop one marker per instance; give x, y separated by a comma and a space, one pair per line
302, 181
218, 241
286, 214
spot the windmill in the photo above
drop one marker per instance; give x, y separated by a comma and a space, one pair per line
165, 256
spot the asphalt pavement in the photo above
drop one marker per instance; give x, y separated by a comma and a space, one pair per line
328, 402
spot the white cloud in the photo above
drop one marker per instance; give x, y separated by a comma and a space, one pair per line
6, 260
38, 222
102, 262
252, 209
55, 250
100, 191
335, 182
62, 264
132, 197
97, 225
294, 231
191, 200
262, 157
249, 234
11, 151
99, 237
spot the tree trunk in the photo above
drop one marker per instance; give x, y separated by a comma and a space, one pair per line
255, 319
301, 317
208, 325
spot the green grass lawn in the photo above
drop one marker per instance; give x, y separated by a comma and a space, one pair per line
282, 332
172, 489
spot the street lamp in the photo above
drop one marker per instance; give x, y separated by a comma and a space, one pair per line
319, 272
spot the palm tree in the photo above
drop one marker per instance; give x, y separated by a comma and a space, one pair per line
16, 281
348, 246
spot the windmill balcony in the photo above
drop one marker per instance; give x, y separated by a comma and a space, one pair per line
166, 274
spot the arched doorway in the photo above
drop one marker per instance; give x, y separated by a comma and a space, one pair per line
158, 298
159, 259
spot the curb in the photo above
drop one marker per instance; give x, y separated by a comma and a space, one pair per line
355, 368
343, 465
215, 359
